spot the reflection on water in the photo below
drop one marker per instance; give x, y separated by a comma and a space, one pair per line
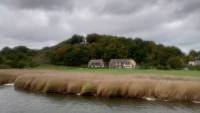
12, 101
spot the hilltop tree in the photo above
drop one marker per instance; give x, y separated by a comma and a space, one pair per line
93, 38
76, 39
21, 49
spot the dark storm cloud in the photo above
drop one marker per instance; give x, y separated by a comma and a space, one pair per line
39, 23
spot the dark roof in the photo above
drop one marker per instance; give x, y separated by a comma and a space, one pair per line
121, 60
97, 60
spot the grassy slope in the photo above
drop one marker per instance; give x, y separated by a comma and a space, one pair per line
124, 71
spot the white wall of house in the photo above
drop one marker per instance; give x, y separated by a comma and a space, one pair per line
122, 63
194, 63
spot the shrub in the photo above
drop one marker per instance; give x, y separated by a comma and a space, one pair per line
194, 67
175, 63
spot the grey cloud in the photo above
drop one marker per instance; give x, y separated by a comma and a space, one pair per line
40, 4
126, 6
189, 7
38, 23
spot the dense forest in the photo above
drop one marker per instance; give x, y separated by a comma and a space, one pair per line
78, 50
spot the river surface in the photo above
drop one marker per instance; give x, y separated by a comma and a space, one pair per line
12, 101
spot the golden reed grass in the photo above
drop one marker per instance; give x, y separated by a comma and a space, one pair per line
134, 86
7, 77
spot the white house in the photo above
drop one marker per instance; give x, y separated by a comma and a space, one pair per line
194, 63
96, 63
122, 63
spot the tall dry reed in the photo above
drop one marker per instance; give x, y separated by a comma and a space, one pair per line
7, 77
134, 86
110, 85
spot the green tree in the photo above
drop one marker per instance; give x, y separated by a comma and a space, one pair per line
1, 60
165, 53
77, 56
76, 39
21, 49
93, 38
18, 57
175, 63
193, 55
146, 53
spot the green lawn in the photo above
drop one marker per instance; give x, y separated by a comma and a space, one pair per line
124, 71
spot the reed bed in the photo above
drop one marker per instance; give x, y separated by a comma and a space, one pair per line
7, 77
90, 84
108, 85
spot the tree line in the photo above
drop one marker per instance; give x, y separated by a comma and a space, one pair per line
76, 52
18, 57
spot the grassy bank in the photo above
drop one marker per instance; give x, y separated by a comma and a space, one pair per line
189, 73
109, 85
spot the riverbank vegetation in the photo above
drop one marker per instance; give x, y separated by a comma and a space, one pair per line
7, 77
77, 52
109, 85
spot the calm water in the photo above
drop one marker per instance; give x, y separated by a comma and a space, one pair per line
12, 101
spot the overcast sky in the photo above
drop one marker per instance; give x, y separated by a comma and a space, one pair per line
39, 23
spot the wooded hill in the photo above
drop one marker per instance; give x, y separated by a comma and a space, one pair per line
76, 52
